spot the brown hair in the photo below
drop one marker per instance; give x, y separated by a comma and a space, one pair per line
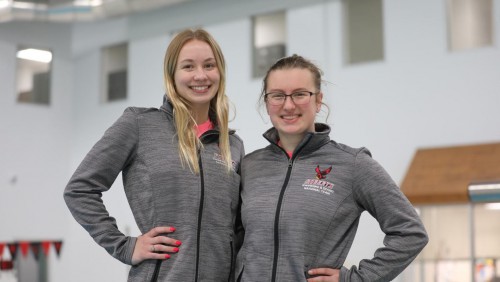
292, 62
295, 62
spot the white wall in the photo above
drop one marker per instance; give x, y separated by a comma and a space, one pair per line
421, 95
35, 147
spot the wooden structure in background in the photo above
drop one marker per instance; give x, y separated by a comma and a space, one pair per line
442, 175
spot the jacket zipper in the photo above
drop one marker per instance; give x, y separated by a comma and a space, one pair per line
200, 213
278, 209
157, 271
276, 219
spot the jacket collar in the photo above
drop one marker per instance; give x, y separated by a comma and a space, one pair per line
207, 137
311, 141
167, 106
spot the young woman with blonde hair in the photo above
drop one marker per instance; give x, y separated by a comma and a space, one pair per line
180, 165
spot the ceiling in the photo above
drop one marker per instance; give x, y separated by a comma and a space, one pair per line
75, 10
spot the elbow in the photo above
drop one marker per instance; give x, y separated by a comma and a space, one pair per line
423, 239
67, 195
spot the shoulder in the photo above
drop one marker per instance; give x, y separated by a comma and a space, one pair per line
348, 150
141, 115
258, 154
138, 111
236, 143
235, 137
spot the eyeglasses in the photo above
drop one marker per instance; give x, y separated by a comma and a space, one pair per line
278, 99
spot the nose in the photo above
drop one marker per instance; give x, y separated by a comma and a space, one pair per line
200, 74
288, 104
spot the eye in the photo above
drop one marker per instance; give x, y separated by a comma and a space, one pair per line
277, 96
300, 94
210, 66
187, 67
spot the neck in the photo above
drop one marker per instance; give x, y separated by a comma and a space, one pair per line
200, 113
290, 142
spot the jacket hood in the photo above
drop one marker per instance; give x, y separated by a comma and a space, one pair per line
167, 106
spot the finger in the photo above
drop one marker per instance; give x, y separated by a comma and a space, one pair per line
159, 256
159, 248
163, 240
323, 271
160, 229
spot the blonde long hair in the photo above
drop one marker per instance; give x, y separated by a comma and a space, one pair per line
183, 118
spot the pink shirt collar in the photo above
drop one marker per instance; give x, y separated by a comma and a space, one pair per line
203, 127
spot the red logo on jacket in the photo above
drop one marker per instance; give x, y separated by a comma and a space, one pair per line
321, 174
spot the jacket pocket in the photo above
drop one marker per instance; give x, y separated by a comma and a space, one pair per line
240, 274
216, 256
231, 268
142, 271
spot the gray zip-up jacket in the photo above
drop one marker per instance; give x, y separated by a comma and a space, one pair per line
303, 213
142, 144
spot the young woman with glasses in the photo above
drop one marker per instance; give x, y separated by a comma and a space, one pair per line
302, 195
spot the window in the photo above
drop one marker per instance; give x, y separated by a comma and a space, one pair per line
33, 75
463, 243
447, 255
470, 24
114, 72
269, 41
363, 31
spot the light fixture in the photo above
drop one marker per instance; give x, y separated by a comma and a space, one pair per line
35, 55
4, 4
28, 6
87, 3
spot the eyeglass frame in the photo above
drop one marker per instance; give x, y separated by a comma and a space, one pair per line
289, 95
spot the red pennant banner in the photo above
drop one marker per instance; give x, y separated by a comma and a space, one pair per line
13, 249
58, 246
25, 247
46, 247
35, 248
2, 246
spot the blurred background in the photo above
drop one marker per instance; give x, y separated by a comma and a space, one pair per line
417, 82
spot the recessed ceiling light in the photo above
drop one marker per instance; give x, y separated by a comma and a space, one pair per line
4, 4
88, 3
35, 55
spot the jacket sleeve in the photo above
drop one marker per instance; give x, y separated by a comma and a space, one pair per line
97, 172
405, 235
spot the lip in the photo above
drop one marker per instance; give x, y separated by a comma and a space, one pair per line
290, 118
200, 88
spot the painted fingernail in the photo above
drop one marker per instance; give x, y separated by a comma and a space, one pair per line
172, 229
176, 250
178, 243
167, 256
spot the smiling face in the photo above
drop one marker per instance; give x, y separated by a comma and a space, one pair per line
291, 119
196, 76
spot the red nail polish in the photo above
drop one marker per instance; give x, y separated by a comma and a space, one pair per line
176, 250
178, 243
172, 229
167, 256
